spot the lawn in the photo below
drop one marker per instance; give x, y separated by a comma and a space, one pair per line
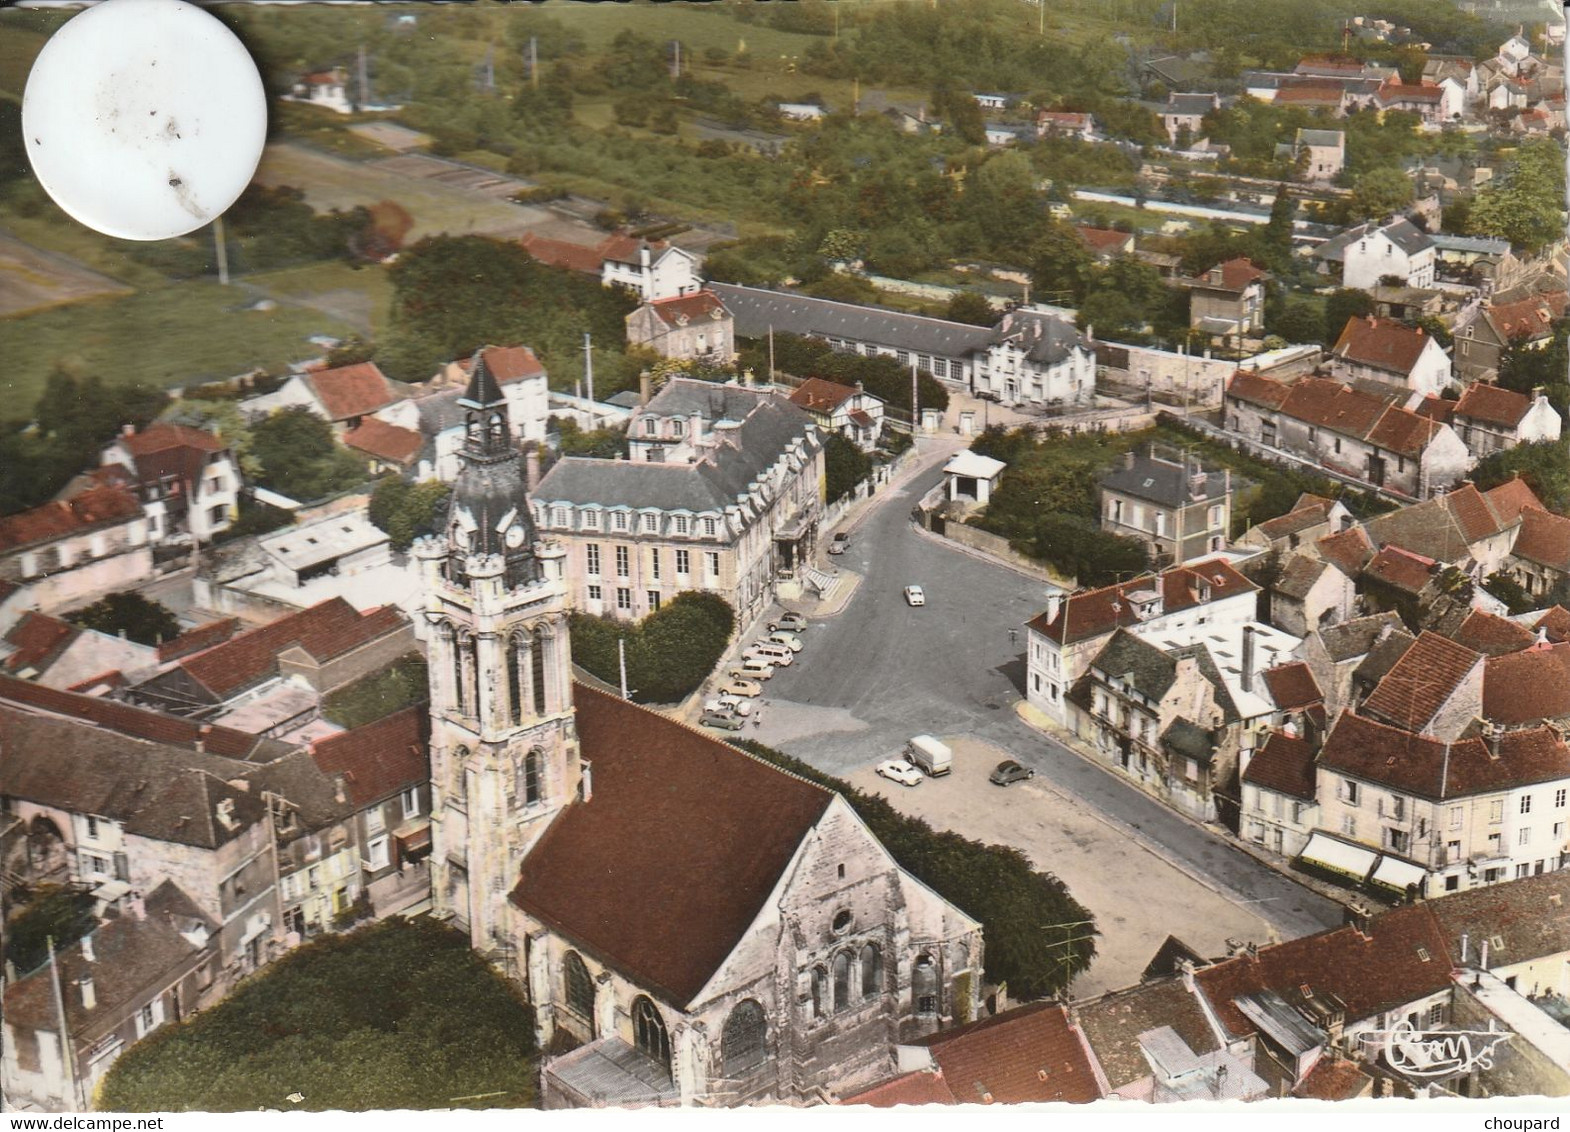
176, 335
361, 296
397, 1015
54, 231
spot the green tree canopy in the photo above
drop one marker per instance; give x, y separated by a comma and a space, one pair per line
1341, 307
1542, 465
1380, 193
299, 457
971, 307
1525, 203
406, 511
669, 653
143, 620
844, 466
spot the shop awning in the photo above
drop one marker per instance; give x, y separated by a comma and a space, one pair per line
1338, 855
413, 841
1398, 874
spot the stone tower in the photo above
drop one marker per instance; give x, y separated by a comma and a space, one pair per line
504, 748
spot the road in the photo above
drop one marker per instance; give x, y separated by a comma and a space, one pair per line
881, 672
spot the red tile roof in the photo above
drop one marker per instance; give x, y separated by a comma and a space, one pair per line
1300, 518
1370, 974
161, 435
103, 681
506, 363
352, 391
1513, 497
1422, 681
1029, 1054
138, 722
1292, 686
1426, 766
385, 441
1349, 550
1401, 568
1092, 613
1284, 764
922, 1086
1544, 539
1394, 91
1492, 635
819, 396
1236, 274
38, 641
1334, 1079
1403, 431
1332, 405
1435, 409
1493, 405
1473, 513
380, 759
324, 631
1311, 91
1247, 385
622, 248
1528, 319
561, 253
683, 309
197, 639
616, 875
1555, 623
1381, 343
1527, 686
94, 508
1102, 241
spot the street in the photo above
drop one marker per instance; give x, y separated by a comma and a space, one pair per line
882, 671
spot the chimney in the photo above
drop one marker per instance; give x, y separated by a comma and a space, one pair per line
138, 907
1482, 956
1128, 459
87, 949
695, 426
1465, 939
1247, 680
1054, 603
645, 388
128, 430
89, 994
1196, 485
201, 737
586, 783
1186, 969
1538, 392
531, 469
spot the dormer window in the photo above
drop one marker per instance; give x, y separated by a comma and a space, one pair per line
591, 520
650, 426
676, 428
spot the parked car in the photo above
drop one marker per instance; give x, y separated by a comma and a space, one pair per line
791, 620
728, 720
788, 640
754, 669
914, 595
930, 755
732, 704
736, 686
898, 770
772, 651
840, 543
1008, 772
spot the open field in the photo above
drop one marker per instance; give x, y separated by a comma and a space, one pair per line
31, 279
52, 231
359, 296
176, 335
331, 182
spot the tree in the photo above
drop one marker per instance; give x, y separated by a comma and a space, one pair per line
1542, 465
1278, 231
1299, 321
299, 457
844, 466
53, 912
1524, 367
669, 653
968, 306
1060, 263
1341, 307
1018, 906
1524, 204
406, 511
602, 443
129, 615
1509, 591
1002, 200
1380, 193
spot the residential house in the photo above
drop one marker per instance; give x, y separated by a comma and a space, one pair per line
693, 326
1371, 253
61, 655
520, 376
1404, 358
1539, 558
654, 270
1481, 342
1181, 511
150, 964
1228, 300
1318, 155
1065, 124
1329, 96
721, 491
342, 395
1342, 67
1335, 653
386, 447
802, 111
187, 479
1528, 687
280, 670
1185, 114
1105, 243
1436, 104
1312, 518
1039, 359
1034, 1053
1280, 808
70, 551
1310, 593
848, 410
1064, 638
1490, 419
791, 971
1438, 68
1349, 431
326, 88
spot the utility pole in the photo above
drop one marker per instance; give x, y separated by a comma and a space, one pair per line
365, 82
621, 658
67, 1054
220, 250
676, 60
534, 63
588, 364
915, 401
1041, 8
771, 353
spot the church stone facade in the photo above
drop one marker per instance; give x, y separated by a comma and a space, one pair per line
691, 924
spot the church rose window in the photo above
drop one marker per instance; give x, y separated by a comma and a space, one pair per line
580, 987
743, 1043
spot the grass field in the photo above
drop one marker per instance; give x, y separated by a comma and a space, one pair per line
175, 335
360, 296
32, 280
330, 182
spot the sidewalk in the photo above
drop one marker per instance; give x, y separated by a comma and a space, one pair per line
1037, 720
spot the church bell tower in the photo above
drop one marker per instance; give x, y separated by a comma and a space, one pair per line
504, 748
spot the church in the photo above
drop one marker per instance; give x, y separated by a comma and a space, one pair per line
691, 925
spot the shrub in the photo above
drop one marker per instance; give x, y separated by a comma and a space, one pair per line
139, 619
376, 695
669, 653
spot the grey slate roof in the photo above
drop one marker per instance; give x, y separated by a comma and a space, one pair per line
1051, 339
756, 310
440, 412
1403, 233
1300, 575
1482, 245
1428, 528
1147, 669
1190, 104
1186, 737
1321, 137
1354, 638
1161, 481
682, 397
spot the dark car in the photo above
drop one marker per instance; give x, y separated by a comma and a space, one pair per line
1010, 771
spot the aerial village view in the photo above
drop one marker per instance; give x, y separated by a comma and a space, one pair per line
921, 552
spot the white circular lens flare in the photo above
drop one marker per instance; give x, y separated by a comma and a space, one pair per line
144, 119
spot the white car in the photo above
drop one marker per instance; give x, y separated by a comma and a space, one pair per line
915, 596
736, 686
789, 640
733, 704
766, 652
898, 770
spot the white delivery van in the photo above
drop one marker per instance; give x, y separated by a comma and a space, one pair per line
934, 758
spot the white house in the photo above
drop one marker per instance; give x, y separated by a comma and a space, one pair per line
848, 410
187, 479
1370, 252
1392, 354
654, 270
327, 89
1037, 358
